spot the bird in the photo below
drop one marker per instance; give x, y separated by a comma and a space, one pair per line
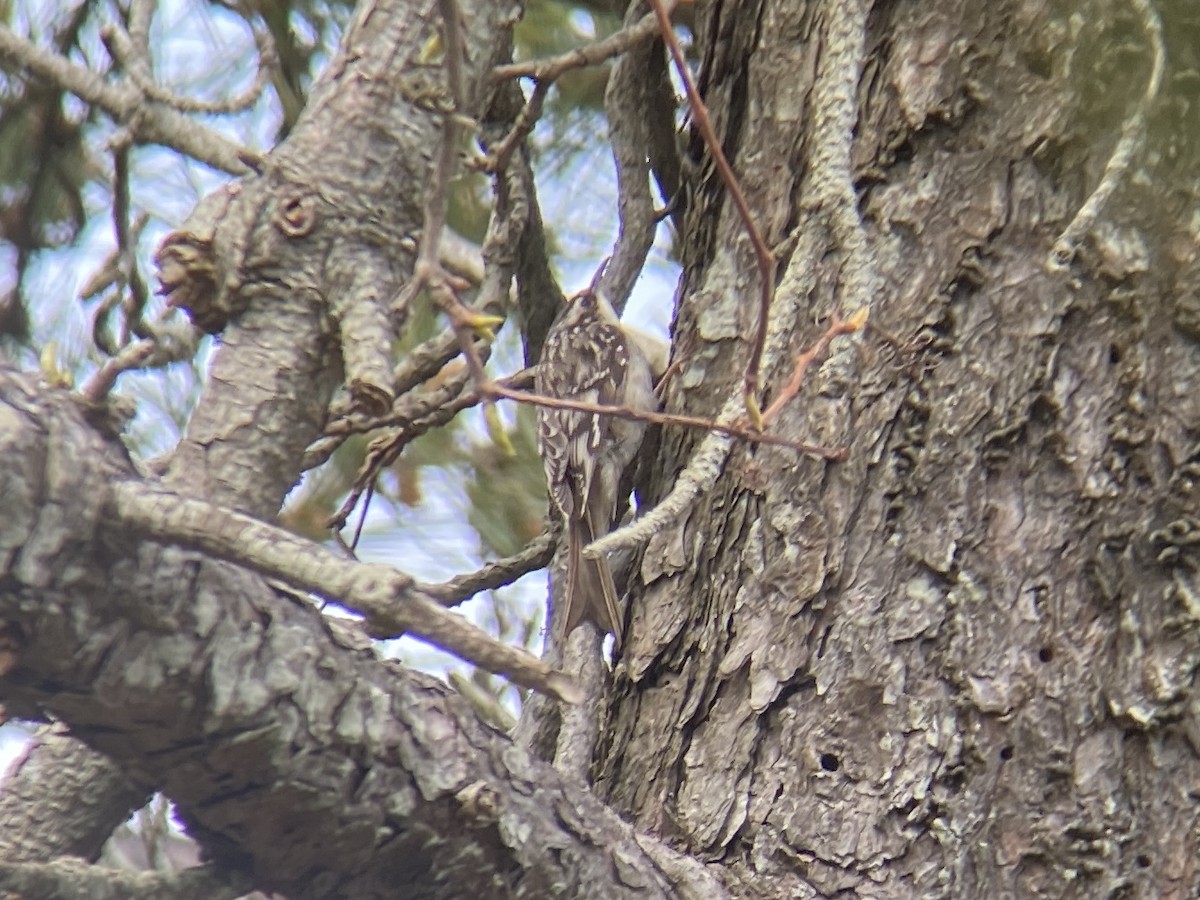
589, 356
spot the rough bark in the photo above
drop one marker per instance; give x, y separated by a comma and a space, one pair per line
297, 758
273, 256
961, 663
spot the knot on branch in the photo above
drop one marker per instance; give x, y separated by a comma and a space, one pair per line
187, 275
296, 212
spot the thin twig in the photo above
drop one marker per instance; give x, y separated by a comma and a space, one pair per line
132, 50
127, 234
743, 432
776, 318
552, 68
428, 272
165, 346
155, 124
838, 327
498, 155
362, 519
412, 418
535, 555
131, 356
546, 72
119, 269
762, 253
418, 366
699, 475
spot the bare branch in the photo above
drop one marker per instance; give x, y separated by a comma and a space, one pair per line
390, 600
728, 427
835, 110
149, 124
698, 476
579, 727
545, 72
762, 253
554, 67
103, 797
274, 707
498, 154
838, 327
536, 555
626, 99
166, 345
132, 50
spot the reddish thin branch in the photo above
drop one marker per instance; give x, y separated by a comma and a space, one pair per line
742, 432
762, 253
818, 350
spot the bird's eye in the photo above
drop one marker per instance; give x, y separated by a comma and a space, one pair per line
587, 300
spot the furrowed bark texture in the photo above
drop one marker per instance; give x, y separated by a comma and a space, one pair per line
286, 744
286, 261
962, 662
294, 755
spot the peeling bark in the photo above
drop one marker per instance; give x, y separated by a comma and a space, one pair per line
296, 757
962, 663
959, 664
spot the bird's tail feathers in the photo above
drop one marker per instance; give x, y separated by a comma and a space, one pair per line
591, 592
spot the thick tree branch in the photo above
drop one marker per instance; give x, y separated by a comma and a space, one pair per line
390, 600
257, 259
257, 716
75, 879
100, 794
626, 101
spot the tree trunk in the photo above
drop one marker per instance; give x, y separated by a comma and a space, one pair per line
960, 663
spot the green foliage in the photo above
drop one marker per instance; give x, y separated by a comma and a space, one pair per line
550, 28
507, 491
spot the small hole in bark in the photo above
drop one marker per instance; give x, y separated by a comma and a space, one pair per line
829, 762
1006, 752
1045, 654
1114, 354
1142, 861
1043, 411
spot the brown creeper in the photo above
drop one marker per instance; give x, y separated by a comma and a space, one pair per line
589, 357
